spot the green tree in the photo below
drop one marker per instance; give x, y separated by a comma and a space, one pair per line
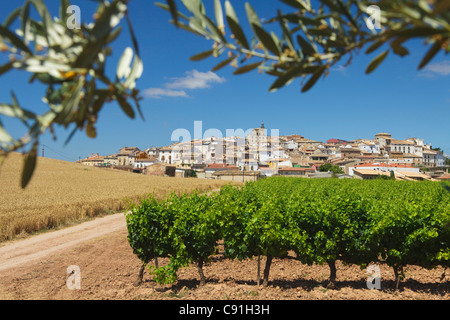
328, 167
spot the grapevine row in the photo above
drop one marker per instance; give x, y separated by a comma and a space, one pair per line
321, 220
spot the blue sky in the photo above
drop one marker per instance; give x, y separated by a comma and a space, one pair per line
348, 104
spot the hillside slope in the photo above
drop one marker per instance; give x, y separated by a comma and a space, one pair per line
62, 192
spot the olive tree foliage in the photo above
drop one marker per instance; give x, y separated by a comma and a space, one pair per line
70, 62
314, 35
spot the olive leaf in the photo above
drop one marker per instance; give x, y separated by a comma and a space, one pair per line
202, 55
314, 78
29, 166
434, 49
233, 22
376, 62
248, 68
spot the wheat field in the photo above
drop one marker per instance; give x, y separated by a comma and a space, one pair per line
61, 193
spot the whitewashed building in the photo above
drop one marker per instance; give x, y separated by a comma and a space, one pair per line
384, 167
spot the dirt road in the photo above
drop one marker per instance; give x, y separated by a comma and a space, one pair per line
36, 268
37, 247
19, 252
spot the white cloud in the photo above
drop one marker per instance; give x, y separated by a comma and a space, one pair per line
439, 68
157, 93
340, 68
193, 80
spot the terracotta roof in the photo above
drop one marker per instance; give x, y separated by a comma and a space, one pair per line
350, 150
410, 155
383, 134
152, 159
319, 154
237, 172
384, 165
366, 156
93, 158
216, 165
395, 141
296, 169
415, 175
371, 172
219, 166
399, 177
278, 160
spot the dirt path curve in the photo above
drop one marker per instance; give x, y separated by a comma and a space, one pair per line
39, 246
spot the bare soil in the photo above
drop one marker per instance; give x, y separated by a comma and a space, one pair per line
36, 269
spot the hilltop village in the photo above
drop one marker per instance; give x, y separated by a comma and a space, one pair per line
260, 155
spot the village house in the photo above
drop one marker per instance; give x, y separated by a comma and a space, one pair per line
368, 146
368, 174
290, 145
398, 157
158, 169
278, 163
405, 146
165, 154
433, 158
126, 156
213, 167
248, 164
257, 137
125, 159
350, 152
318, 157
94, 160
412, 176
152, 152
383, 139
208, 171
405, 158
111, 160
143, 160
295, 172
429, 158
239, 176
383, 167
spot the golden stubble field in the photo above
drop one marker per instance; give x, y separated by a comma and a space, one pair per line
61, 193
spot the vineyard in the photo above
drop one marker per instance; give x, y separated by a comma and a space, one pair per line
322, 221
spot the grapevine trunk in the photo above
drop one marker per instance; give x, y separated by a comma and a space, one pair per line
267, 270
